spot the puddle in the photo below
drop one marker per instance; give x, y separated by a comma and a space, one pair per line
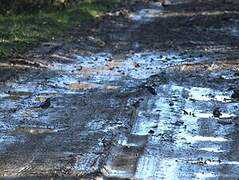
122, 161
21, 89
204, 175
215, 162
147, 15
194, 139
87, 163
36, 130
87, 86
212, 149
20, 93
133, 140
147, 166
144, 65
152, 167
72, 83
232, 29
3, 126
208, 115
103, 67
199, 93
6, 140
31, 89
206, 94
96, 125
16, 95
3, 95
228, 75
116, 173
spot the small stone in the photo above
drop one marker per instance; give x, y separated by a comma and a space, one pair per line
236, 73
151, 131
136, 65
136, 104
225, 122
216, 112
13, 110
178, 123
171, 104
235, 94
155, 126
79, 68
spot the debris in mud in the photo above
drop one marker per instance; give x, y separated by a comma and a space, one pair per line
185, 112
134, 140
216, 112
155, 126
136, 65
151, 90
178, 123
235, 94
136, 104
225, 121
171, 103
202, 161
151, 131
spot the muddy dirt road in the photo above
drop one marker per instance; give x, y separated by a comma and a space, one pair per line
147, 92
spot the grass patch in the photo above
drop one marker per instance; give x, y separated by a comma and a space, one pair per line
18, 32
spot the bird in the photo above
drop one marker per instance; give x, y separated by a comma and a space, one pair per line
216, 112
46, 104
163, 3
151, 90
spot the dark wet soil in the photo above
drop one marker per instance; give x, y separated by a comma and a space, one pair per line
146, 92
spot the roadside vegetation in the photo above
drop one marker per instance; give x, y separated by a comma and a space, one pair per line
22, 26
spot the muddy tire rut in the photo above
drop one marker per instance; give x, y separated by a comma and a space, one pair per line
178, 129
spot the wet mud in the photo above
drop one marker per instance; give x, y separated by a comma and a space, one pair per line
147, 92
